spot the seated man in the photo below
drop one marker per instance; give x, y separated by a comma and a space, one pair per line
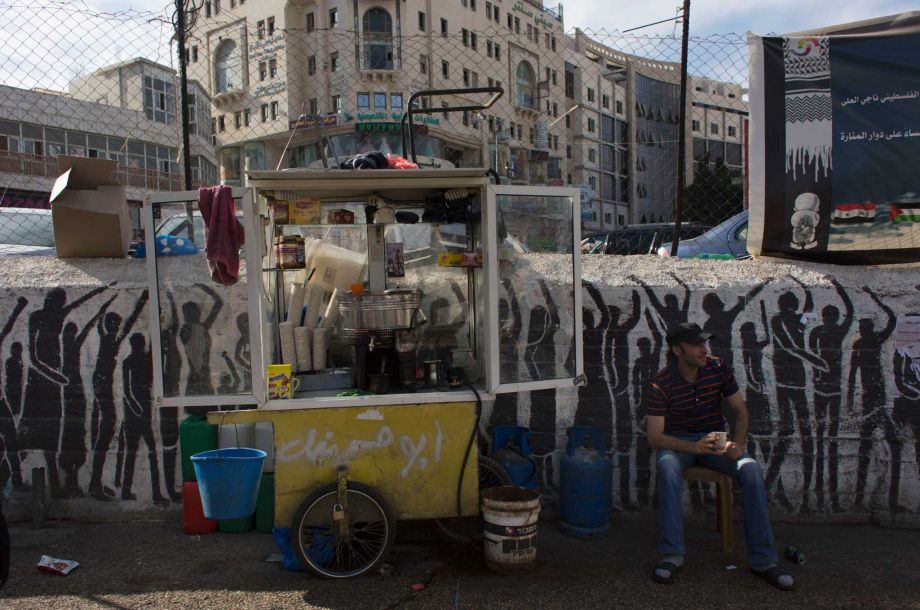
684, 407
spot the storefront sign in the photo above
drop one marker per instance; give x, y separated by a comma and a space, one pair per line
519, 7
272, 89
542, 135
540, 20
306, 123
538, 155
397, 116
388, 127
265, 48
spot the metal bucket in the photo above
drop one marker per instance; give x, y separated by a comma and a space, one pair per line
510, 517
384, 311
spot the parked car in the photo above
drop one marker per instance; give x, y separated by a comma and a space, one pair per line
726, 238
637, 239
26, 232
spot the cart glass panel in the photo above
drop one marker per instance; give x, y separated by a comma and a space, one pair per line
537, 310
201, 330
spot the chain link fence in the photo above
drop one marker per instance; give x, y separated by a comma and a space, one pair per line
305, 87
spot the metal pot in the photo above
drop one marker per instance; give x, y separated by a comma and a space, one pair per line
382, 311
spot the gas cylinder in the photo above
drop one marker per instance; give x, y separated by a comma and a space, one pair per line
511, 449
585, 481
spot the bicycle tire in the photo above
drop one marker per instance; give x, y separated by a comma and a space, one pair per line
468, 530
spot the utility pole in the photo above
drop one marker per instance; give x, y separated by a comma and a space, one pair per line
183, 94
682, 135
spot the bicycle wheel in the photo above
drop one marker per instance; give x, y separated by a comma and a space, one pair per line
330, 553
469, 529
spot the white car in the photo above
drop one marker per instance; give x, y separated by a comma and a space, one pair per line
26, 232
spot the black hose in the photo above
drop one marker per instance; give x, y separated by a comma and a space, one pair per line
469, 446
533, 462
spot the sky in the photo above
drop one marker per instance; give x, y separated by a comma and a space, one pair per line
722, 17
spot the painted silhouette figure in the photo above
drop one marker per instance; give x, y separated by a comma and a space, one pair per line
14, 378
510, 325
242, 352
73, 439
169, 416
671, 311
112, 334
195, 334
644, 368
42, 408
616, 359
10, 466
540, 360
137, 376
906, 411
594, 399
760, 424
865, 363
229, 381
826, 342
721, 321
789, 360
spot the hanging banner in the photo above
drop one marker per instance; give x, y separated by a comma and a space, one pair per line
835, 146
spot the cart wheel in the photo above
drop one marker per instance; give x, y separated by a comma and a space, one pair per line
469, 529
4, 550
330, 553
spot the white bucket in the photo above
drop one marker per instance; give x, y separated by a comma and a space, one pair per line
265, 440
510, 516
236, 435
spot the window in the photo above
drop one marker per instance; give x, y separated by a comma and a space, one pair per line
695, 125
380, 101
524, 85
554, 77
423, 64
605, 100
473, 4
466, 118
364, 101
592, 182
311, 22
262, 70
247, 117
532, 136
517, 25
333, 17
336, 103
314, 106
159, 100
237, 119
194, 53
378, 39
592, 155
445, 114
552, 41
732, 131
466, 77
443, 26
260, 29
473, 41
568, 121
311, 64
529, 31
488, 10
497, 14
714, 129
334, 62
228, 67
216, 7
590, 125
263, 109
510, 21
272, 68
498, 51
221, 126
207, 9
192, 114
396, 101
590, 94
445, 69
271, 26
421, 21
274, 110
555, 109
489, 48
465, 36
619, 107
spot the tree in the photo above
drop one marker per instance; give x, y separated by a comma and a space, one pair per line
713, 196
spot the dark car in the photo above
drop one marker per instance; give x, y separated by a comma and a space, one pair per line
638, 239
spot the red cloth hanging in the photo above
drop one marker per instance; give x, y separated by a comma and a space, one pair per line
223, 233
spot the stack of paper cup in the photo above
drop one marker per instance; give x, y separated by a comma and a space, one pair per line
303, 348
295, 303
320, 344
288, 351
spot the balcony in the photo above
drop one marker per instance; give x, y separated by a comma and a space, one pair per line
47, 167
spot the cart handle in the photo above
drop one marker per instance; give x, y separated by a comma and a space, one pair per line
496, 92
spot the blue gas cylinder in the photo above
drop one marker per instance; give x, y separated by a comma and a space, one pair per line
511, 449
585, 484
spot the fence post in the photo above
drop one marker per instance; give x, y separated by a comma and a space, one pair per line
682, 129
183, 93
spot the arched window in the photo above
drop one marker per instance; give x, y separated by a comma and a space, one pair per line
525, 84
377, 27
228, 67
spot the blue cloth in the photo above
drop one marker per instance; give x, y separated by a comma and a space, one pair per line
168, 245
747, 474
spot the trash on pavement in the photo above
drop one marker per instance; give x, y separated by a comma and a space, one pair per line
61, 567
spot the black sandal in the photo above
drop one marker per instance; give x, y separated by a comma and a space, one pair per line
772, 575
672, 571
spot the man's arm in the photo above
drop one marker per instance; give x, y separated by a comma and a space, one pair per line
734, 449
657, 439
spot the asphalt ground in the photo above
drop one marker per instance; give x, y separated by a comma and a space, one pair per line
153, 564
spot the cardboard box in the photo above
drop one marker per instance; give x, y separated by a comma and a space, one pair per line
89, 210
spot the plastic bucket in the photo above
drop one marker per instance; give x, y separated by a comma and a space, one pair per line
229, 481
510, 517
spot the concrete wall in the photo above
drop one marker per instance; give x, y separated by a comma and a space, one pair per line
834, 403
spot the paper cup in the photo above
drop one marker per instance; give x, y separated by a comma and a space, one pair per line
722, 437
320, 346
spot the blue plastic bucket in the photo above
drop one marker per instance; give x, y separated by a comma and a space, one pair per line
229, 481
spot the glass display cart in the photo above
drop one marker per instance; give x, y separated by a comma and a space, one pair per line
375, 311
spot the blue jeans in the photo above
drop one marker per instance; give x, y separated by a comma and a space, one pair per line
670, 466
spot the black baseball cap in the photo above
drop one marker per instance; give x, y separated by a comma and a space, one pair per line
687, 333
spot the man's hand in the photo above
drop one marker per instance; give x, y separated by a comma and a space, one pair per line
708, 445
733, 450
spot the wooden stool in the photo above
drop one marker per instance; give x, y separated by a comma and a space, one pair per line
723, 499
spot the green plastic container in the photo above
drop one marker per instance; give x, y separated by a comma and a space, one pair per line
265, 504
196, 435
237, 526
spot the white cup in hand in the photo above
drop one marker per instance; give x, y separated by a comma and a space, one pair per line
721, 439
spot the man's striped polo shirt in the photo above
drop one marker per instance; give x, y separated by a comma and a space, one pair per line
690, 407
